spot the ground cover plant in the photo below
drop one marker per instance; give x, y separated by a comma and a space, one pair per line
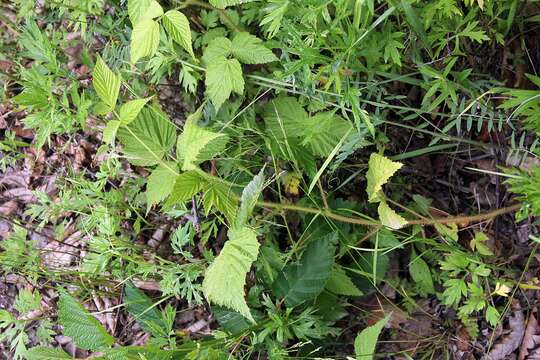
228, 179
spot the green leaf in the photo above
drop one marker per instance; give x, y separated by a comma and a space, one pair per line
306, 279
455, 290
421, 274
285, 118
478, 243
186, 185
223, 76
106, 83
46, 353
177, 25
323, 131
196, 144
249, 49
366, 340
109, 133
250, 195
220, 47
230, 321
225, 278
130, 110
340, 284
143, 9
221, 196
85, 330
144, 39
143, 310
148, 138
380, 171
222, 4
492, 316
389, 217
161, 182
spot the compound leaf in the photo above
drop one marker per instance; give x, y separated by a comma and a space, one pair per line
106, 83
223, 76
177, 25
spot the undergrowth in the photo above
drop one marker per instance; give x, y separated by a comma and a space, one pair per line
287, 183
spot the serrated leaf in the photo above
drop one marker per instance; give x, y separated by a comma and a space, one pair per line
144, 39
340, 284
225, 278
106, 83
221, 197
220, 47
109, 133
177, 25
46, 353
197, 144
223, 76
143, 9
421, 274
161, 182
249, 198
284, 118
478, 243
85, 330
389, 217
249, 49
323, 131
306, 279
148, 138
380, 171
186, 185
230, 321
143, 310
366, 341
130, 110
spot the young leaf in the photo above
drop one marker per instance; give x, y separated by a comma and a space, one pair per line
249, 49
223, 76
161, 182
86, 332
130, 110
46, 353
340, 284
478, 243
366, 340
109, 133
143, 9
186, 185
196, 144
143, 310
148, 138
305, 280
421, 274
380, 170
222, 4
389, 217
225, 278
106, 83
250, 195
144, 39
177, 25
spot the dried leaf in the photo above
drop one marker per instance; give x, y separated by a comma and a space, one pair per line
509, 343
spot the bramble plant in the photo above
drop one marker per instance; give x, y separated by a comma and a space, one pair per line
276, 165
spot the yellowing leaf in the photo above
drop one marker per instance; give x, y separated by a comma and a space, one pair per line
226, 277
501, 289
223, 76
177, 25
389, 217
380, 171
144, 39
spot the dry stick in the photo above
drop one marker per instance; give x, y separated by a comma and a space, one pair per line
360, 221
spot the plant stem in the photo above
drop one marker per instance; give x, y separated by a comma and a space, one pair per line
361, 221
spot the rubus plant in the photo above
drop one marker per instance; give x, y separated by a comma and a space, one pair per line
283, 99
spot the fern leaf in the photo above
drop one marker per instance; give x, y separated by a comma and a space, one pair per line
226, 276
85, 330
305, 280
